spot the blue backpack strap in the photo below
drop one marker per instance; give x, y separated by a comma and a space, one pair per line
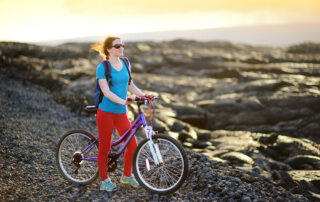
107, 69
127, 63
98, 94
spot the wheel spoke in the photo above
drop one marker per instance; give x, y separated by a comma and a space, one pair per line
171, 173
70, 143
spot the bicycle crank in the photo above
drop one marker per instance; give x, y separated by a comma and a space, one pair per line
112, 162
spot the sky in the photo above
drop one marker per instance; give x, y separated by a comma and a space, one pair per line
41, 20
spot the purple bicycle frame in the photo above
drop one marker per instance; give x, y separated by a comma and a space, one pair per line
140, 121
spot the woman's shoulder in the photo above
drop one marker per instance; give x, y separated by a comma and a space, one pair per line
100, 65
126, 62
101, 69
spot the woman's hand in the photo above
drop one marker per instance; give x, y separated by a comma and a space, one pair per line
130, 100
150, 96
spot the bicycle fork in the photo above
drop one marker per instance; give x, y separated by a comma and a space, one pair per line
154, 148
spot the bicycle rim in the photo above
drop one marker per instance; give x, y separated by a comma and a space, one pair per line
164, 178
71, 145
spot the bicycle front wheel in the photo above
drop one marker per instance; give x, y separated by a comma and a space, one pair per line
166, 177
76, 157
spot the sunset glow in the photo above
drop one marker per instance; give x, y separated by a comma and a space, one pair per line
38, 20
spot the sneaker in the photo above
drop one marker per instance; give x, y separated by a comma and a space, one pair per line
108, 186
129, 180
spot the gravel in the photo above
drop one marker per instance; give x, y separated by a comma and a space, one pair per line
31, 124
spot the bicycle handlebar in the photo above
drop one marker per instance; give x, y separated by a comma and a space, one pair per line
144, 98
140, 101
148, 99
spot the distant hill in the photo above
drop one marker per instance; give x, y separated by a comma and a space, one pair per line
280, 34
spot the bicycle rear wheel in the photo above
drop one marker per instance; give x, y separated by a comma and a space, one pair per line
70, 155
166, 177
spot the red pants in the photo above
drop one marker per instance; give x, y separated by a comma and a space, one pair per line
106, 122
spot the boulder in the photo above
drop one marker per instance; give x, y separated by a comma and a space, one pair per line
238, 157
304, 162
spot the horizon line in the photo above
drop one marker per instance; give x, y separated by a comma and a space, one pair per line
181, 30
94, 38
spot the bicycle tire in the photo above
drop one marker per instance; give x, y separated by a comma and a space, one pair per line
150, 176
65, 152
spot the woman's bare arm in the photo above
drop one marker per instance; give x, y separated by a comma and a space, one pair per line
135, 90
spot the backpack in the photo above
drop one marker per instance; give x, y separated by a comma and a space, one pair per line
98, 95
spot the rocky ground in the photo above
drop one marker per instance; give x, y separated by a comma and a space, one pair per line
32, 123
249, 115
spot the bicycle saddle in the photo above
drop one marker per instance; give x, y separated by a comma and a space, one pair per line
91, 108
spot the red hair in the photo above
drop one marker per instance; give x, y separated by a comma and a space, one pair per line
102, 48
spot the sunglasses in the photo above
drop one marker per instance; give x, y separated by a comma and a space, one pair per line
117, 46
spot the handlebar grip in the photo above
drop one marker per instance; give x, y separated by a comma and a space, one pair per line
141, 98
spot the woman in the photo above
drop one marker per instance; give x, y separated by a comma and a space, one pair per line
112, 112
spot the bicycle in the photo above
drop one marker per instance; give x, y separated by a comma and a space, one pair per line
159, 164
